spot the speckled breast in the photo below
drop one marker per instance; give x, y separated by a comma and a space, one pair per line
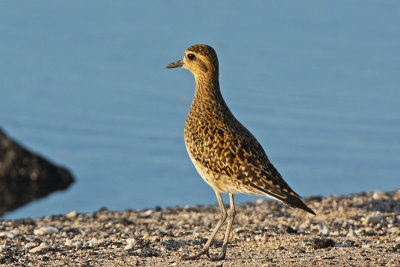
202, 149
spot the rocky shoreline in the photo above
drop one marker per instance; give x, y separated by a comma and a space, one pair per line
26, 176
352, 230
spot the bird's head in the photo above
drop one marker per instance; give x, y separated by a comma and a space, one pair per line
200, 59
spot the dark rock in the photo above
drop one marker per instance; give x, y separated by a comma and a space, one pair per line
125, 221
350, 243
290, 230
396, 247
146, 252
157, 208
322, 243
25, 176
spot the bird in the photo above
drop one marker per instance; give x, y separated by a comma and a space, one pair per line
225, 154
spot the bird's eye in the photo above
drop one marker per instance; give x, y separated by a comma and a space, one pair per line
191, 56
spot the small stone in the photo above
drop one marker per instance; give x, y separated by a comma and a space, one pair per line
378, 195
71, 214
146, 252
148, 213
46, 230
93, 242
41, 247
73, 243
240, 230
128, 247
351, 233
30, 245
349, 243
290, 230
258, 238
396, 195
186, 216
157, 208
146, 236
374, 219
10, 234
322, 243
259, 201
102, 209
14, 233
325, 230
394, 230
154, 238
130, 243
396, 247
335, 233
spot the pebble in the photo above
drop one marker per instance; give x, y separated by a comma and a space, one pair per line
41, 247
45, 230
259, 201
290, 230
259, 238
154, 238
318, 243
366, 246
146, 236
325, 230
73, 243
374, 219
30, 245
336, 233
378, 195
71, 214
130, 243
10, 234
93, 242
148, 212
128, 247
351, 233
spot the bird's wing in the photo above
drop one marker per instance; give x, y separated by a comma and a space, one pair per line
241, 156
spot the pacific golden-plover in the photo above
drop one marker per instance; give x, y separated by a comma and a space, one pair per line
226, 155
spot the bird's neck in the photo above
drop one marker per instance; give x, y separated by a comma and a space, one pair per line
208, 100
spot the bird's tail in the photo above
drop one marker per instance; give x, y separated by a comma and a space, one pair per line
296, 202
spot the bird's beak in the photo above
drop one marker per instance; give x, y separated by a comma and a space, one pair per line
175, 64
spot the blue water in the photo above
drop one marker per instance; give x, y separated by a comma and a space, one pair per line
84, 84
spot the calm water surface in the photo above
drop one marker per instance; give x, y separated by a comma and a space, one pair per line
84, 84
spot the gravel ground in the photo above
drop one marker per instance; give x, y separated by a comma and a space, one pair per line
353, 230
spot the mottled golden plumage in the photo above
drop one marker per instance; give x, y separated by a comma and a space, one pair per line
226, 155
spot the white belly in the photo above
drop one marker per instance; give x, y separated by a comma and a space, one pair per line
220, 183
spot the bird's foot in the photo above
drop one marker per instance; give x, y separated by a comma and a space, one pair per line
220, 257
196, 256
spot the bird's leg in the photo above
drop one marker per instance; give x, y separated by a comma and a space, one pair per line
231, 216
211, 238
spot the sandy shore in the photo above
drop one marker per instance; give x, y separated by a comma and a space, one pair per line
353, 230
